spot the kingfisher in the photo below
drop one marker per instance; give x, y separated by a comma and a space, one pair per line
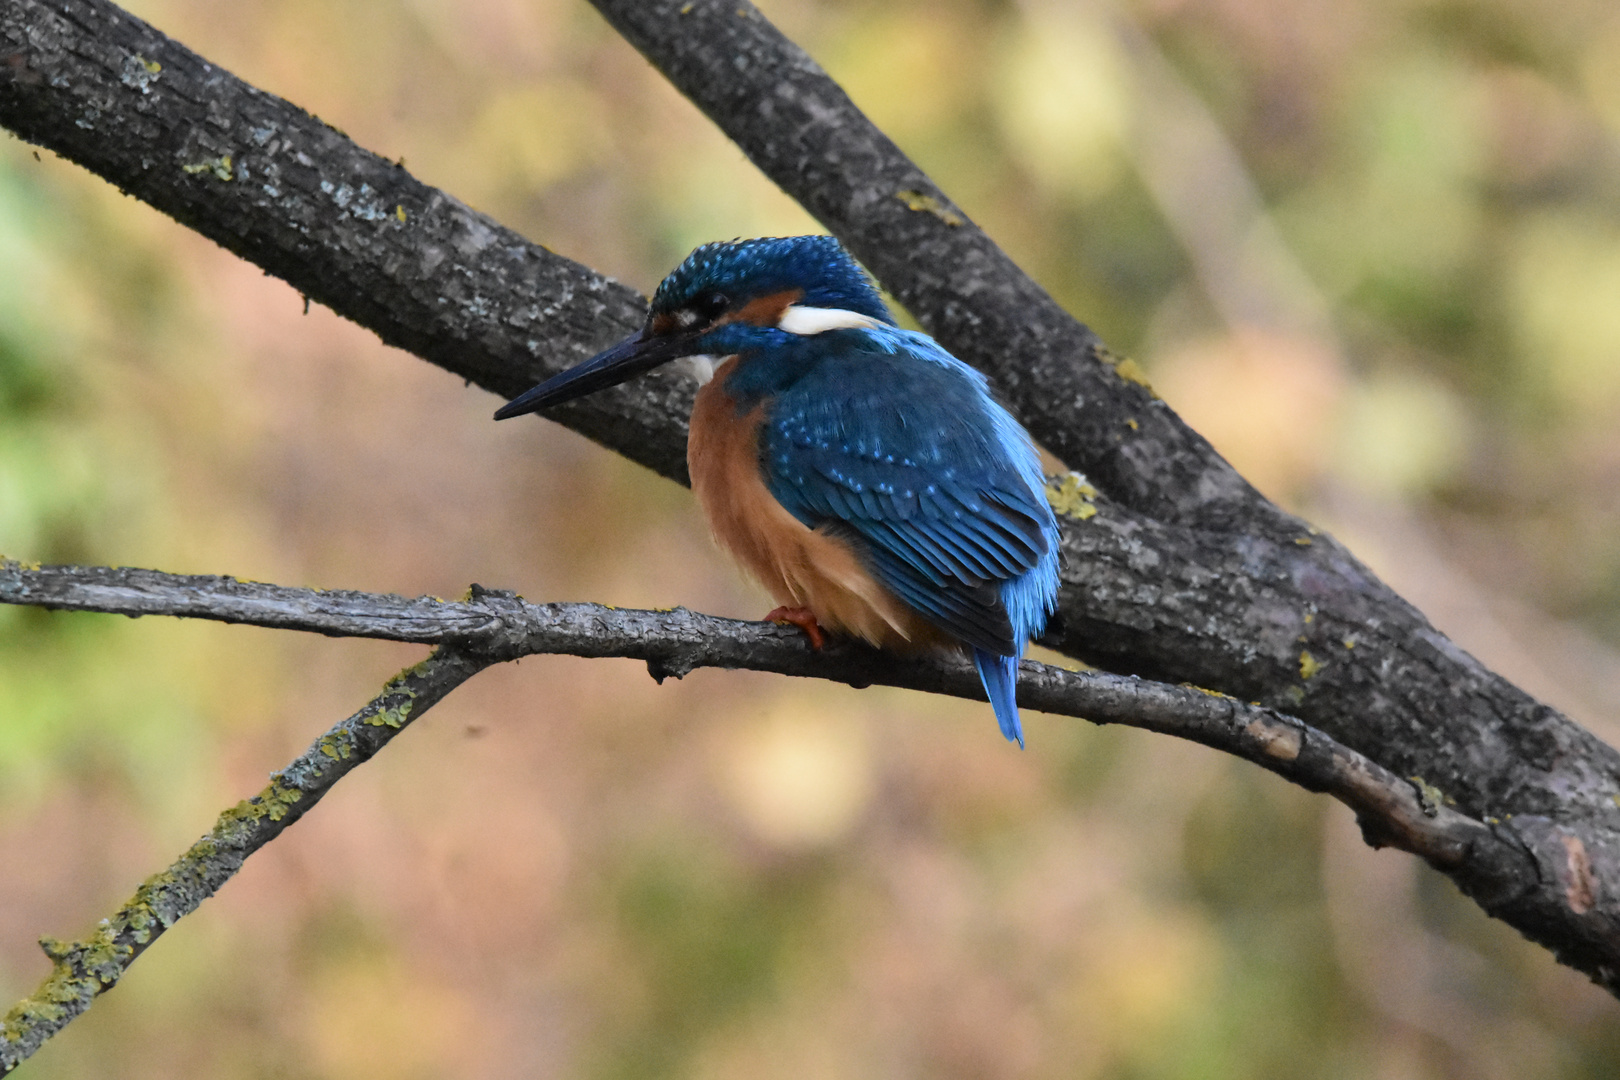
858, 471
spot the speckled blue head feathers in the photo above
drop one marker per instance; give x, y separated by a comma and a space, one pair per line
743, 269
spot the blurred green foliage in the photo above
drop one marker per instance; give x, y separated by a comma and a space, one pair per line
1373, 251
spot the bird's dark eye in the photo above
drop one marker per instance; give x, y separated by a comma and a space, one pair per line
709, 304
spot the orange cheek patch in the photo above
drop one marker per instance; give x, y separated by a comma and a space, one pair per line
665, 323
766, 310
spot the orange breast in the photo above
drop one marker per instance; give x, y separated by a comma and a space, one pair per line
799, 567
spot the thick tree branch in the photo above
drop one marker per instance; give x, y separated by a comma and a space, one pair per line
351, 230
1178, 571
82, 970
802, 130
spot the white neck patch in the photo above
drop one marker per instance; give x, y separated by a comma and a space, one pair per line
807, 321
700, 366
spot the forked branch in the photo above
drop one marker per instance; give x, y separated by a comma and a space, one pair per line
1177, 570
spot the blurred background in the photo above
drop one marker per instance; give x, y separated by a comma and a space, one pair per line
1371, 250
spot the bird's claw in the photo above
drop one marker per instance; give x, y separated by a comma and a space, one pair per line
804, 619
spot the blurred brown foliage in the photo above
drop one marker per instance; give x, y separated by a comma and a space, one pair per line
1372, 250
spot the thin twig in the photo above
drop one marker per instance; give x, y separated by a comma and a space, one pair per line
83, 970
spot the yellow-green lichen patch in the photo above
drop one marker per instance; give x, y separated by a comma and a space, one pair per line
399, 212
398, 683
338, 746
1129, 370
79, 971
1430, 798
141, 914
926, 203
1126, 368
243, 813
100, 960
280, 799
1072, 496
1132, 424
1308, 664
141, 920
103, 957
220, 167
47, 1005
1208, 691
273, 803
1303, 541
393, 716
396, 715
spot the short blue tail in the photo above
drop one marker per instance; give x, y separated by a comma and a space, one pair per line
1000, 677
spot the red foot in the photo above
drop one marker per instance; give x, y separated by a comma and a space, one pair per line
804, 620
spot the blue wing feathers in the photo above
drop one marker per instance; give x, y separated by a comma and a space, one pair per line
895, 444
958, 558
1001, 553
976, 615
919, 551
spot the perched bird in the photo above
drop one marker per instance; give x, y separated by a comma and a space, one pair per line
859, 471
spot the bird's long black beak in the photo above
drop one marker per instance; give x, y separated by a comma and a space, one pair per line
633, 356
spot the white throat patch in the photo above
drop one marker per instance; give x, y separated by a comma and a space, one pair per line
807, 321
700, 366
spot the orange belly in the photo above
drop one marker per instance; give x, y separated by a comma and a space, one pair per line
799, 567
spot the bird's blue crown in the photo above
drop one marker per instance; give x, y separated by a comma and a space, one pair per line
818, 266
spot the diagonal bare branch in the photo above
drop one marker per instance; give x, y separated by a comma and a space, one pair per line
81, 971
800, 128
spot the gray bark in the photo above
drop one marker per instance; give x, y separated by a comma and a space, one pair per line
1177, 570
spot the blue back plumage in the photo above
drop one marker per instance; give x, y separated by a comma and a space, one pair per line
880, 436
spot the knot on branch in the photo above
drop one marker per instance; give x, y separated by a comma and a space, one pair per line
501, 636
668, 667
